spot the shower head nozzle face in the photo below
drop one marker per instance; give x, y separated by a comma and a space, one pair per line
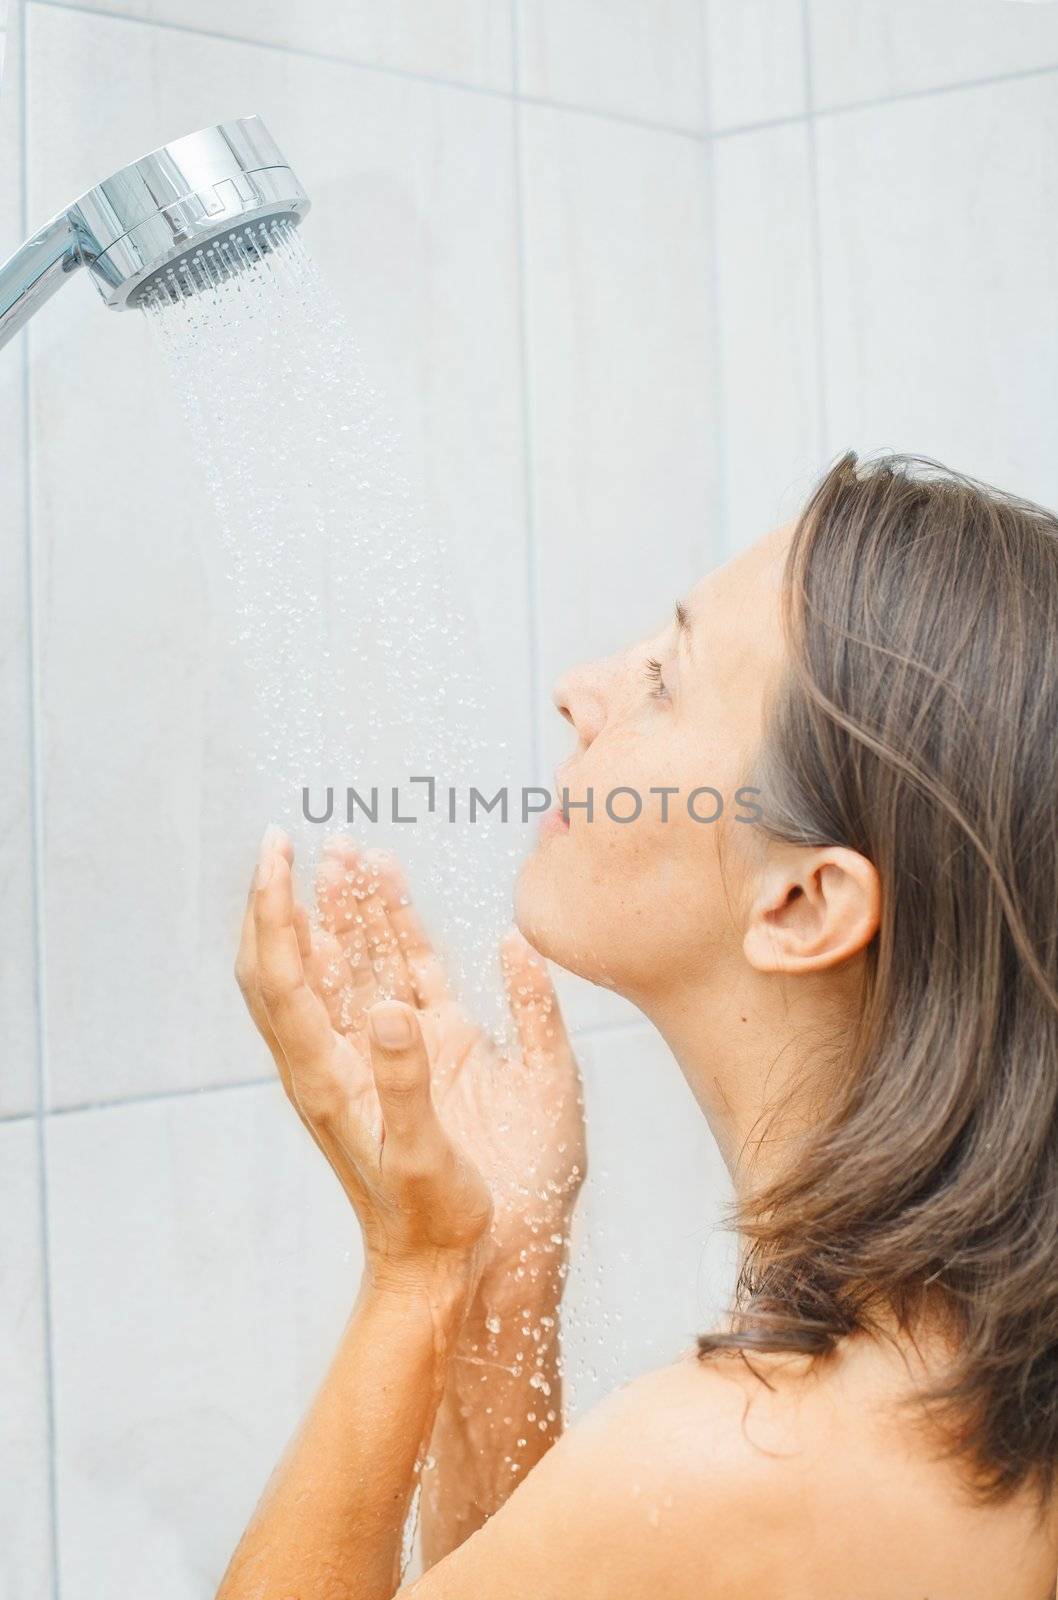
178, 200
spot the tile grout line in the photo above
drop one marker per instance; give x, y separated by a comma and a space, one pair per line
591, 1030
721, 540
606, 1030
531, 572
877, 102
739, 130
153, 1096
932, 91
816, 238
465, 86
8, 1117
622, 118
299, 52
36, 835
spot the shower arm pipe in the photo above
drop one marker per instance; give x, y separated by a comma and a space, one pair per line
35, 272
142, 222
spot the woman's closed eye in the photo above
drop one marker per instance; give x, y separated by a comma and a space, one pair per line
655, 677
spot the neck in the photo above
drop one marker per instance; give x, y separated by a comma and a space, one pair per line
757, 1052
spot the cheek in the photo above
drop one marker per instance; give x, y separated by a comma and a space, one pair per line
625, 904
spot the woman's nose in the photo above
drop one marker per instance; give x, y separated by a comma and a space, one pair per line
577, 698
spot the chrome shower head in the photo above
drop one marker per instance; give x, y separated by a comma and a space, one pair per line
142, 222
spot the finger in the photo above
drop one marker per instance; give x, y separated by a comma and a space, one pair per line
401, 1069
246, 973
327, 973
428, 980
303, 931
246, 956
246, 976
387, 954
340, 895
352, 889
276, 839
533, 1002
298, 1018
350, 976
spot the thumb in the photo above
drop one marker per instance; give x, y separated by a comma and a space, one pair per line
401, 1070
533, 1002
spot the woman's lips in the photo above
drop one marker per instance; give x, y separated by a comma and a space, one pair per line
553, 821
556, 820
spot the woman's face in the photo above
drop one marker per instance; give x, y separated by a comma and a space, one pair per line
637, 905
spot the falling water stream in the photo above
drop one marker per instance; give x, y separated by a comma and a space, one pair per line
347, 620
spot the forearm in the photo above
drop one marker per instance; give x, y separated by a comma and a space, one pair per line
501, 1411
331, 1520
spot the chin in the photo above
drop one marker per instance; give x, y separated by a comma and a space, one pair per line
545, 914
530, 909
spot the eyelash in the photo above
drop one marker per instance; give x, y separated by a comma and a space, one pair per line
653, 671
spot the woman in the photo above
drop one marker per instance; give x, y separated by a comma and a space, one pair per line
862, 992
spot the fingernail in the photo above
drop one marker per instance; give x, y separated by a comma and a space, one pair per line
273, 837
265, 868
391, 1025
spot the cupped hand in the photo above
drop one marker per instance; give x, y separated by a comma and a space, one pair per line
518, 1116
365, 1094
516, 1120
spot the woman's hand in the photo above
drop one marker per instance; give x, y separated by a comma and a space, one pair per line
518, 1118
450, 1151
365, 1092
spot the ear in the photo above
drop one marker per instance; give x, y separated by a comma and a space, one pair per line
814, 908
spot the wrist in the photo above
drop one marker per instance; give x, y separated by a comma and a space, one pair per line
528, 1283
518, 1343
442, 1281
497, 1319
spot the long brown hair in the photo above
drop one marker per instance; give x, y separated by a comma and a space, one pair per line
917, 723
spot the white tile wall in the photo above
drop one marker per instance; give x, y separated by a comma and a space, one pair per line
876, 48
756, 61
619, 343
139, 702
619, 56
468, 40
644, 1278
768, 328
204, 1259
940, 232
18, 1059
621, 419
25, 1519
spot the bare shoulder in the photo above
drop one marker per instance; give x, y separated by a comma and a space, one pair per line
735, 1478
654, 1491
692, 1425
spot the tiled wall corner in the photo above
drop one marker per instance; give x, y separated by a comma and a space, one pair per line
18, 993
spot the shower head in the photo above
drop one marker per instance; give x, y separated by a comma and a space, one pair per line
140, 224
